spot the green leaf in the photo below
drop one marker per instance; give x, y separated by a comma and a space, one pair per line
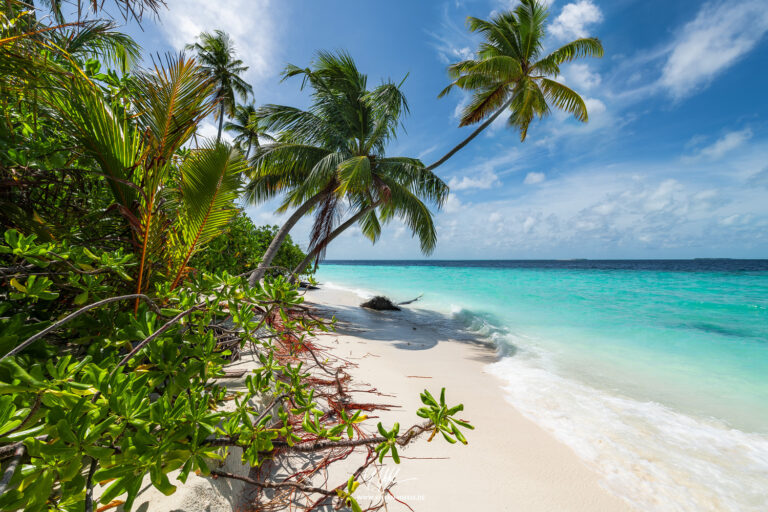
81, 298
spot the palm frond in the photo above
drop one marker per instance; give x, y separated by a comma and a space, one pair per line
102, 134
280, 167
528, 103
579, 48
483, 104
406, 206
354, 175
171, 102
531, 16
99, 39
565, 99
210, 185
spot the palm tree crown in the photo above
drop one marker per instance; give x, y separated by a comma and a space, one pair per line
510, 73
247, 128
216, 56
334, 153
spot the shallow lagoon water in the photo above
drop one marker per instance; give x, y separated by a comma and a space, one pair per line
656, 372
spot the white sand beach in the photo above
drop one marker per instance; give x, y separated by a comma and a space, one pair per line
510, 464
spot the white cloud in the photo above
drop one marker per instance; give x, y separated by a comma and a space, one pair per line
582, 77
453, 42
483, 181
723, 145
453, 204
250, 23
720, 34
460, 105
595, 107
427, 151
574, 20
643, 209
528, 224
533, 178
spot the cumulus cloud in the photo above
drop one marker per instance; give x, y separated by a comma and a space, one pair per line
453, 204
250, 23
483, 181
619, 210
595, 107
720, 34
581, 76
575, 19
723, 145
533, 178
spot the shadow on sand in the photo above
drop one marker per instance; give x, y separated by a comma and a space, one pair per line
409, 329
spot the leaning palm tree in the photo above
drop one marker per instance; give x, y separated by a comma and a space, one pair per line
216, 55
248, 128
331, 157
510, 74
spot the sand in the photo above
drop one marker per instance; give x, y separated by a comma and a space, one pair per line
510, 464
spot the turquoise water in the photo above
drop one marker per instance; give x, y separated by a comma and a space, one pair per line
665, 371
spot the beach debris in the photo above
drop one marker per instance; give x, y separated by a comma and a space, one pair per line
380, 303
410, 301
307, 286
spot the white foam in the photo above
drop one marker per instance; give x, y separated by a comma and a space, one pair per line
363, 294
655, 458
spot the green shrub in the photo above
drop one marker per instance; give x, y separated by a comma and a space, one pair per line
240, 248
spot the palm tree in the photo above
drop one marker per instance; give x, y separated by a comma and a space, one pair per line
334, 153
174, 203
509, 72
216, 55
247, 127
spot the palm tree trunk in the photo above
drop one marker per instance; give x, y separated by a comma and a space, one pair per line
248, 151
336, 232
471, 136
221, 123
277, 241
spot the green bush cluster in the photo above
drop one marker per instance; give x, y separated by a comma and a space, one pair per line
121, 299
241, 246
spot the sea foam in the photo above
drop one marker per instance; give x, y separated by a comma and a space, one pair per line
655, 378
651, 456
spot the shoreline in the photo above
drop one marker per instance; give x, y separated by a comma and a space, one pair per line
510, 463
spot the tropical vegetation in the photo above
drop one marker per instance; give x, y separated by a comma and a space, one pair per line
239, 249
125, 250
332, 157
216, 55
247, 128
510, 74
120, 311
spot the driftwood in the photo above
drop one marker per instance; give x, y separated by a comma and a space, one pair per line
380, 303
410, 301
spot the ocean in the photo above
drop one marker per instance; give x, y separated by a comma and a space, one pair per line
654, 372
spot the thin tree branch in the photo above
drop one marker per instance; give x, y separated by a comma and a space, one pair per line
155, 335
11, 469
270, 485
72, 316
89, 487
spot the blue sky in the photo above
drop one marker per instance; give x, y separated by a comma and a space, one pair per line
673, 163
